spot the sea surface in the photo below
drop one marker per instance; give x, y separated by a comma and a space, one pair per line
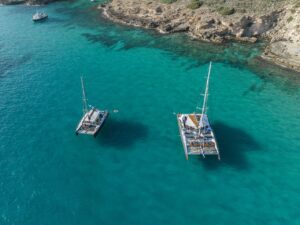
135, 171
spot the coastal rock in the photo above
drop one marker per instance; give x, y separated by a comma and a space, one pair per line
31, 2
207, 24
263, 24
226, 23
284, 46
12, 2
153, 24
181, 28
167, 28
135, 10
158, 10
240, 33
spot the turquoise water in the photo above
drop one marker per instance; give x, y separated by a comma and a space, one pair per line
135, 171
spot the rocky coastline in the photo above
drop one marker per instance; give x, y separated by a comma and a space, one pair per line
29, 2
279, 25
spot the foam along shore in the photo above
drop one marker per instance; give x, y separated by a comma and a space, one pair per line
279, 24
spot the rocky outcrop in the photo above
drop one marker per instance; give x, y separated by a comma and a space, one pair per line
203, 23
284, 46
31, 2
207, 24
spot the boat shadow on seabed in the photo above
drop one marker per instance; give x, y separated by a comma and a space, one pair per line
233, 144
122, 134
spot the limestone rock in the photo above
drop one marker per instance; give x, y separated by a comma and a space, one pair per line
207, 24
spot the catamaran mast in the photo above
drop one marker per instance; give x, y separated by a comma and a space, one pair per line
84, 100
205, 99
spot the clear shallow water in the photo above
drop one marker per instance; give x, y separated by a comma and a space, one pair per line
135, 171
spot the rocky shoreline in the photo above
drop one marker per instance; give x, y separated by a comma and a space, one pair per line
280, 26
29, 2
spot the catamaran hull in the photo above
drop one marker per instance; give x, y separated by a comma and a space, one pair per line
196, 145
96, 130
182, 138
102, 124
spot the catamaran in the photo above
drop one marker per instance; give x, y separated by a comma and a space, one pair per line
92, 120
196, 133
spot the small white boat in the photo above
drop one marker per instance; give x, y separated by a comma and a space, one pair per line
197, 135
92, 120
39, 16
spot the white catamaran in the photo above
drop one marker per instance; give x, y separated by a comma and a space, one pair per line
196, 133
92, 119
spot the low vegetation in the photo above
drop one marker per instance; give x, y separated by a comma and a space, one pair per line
251, 6
194, 4
168, 1
289, 19
226, 11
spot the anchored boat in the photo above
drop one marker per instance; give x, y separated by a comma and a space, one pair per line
92, 120
39, 16
196, 133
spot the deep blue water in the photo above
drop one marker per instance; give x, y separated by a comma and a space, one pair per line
135, 171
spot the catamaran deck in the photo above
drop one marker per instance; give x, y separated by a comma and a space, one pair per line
91, 122
196, 140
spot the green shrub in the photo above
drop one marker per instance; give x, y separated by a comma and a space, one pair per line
168, 1
194, 4
289, 19
226, 11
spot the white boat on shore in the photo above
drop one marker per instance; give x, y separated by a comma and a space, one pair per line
197, 135
92, 120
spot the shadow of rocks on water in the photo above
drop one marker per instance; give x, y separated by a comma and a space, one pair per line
233, 145
122, 134
256, 87
105, 40
283, 78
